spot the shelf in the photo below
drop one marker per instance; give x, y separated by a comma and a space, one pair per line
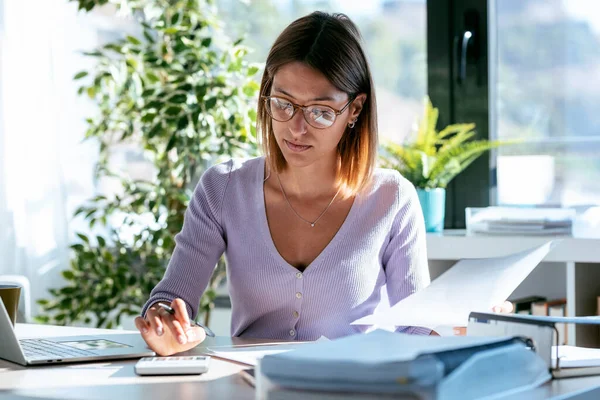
572, 270
455, 245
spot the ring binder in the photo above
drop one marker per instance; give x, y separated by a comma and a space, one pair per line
387, 363
541, 330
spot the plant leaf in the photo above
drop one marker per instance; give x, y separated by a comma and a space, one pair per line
133, 40
80, 75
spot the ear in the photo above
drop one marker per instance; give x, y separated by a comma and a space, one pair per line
356, 107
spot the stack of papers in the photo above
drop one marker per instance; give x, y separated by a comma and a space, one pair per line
575, 361
576, 357
520, 221
251, 354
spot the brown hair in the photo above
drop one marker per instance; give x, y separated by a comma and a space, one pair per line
331, 44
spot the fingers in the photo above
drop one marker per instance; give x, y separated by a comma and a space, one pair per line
142, 325
195, 334
165, 333
184, 336
181, 313
153, 317
148, 334
506, 308
179, 324
192, 334
175, 328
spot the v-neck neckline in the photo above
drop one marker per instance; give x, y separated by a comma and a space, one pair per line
266, 232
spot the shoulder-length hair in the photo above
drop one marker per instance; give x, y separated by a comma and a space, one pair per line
331, 44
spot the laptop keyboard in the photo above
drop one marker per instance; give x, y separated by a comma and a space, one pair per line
40, 349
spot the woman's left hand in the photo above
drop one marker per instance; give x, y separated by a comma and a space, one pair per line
504, 308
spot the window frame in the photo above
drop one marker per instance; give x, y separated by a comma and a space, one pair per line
465, 101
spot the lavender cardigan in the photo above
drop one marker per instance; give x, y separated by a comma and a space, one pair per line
381, 242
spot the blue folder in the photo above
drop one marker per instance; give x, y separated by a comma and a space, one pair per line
388, 362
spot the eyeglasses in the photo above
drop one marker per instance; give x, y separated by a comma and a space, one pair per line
316, 115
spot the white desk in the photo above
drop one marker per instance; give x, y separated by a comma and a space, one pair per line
117, 379
456, 245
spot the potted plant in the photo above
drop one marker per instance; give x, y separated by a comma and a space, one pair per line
432, 158
183, 94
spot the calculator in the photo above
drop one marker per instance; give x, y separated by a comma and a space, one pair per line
172, 365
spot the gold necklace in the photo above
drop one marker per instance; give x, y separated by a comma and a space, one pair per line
312, 224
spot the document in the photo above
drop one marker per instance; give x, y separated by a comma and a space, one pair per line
574, 357
575, 361
470, 285
250, 355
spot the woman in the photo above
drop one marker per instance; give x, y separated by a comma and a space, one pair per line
312, 231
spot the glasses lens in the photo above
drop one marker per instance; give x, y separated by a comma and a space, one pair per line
280, 109
320, 116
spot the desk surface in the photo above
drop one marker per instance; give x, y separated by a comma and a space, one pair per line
117, 379
456, 245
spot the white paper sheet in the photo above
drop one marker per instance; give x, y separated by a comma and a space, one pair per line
470, 285
573, 357
251, 354
245, 357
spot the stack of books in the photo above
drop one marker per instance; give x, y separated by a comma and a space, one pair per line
539, 305
520, 221
523, 305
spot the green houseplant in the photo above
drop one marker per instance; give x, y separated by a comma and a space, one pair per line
183, 94
432, 158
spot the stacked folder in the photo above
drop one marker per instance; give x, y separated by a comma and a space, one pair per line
543, 331
519, 221
393, 363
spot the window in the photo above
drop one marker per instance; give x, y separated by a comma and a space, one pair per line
548, 94
531, 71
395, 39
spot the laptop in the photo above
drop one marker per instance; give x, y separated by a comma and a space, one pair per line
67, 349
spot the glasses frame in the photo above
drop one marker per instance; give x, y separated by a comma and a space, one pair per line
303, 108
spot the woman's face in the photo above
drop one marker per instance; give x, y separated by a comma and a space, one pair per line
301, 143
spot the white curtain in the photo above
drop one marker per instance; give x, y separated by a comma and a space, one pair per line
45, 170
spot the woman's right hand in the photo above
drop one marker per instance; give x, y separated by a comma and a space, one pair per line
168, 334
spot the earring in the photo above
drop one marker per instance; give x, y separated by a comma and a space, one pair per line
351, 124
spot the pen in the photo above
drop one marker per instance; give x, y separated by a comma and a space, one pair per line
194, 323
